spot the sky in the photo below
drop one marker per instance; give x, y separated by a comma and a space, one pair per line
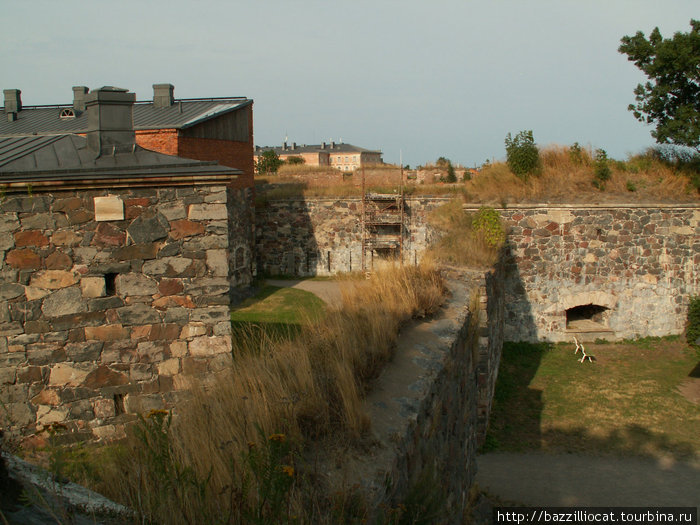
417, 80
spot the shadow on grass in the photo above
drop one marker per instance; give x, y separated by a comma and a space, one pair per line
628, 440
517, 408
516, 418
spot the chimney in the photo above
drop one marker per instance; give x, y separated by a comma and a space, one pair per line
110, 113
163, 95
294, 145
13, 100
323, 145
284, 146
332, 144
79, 93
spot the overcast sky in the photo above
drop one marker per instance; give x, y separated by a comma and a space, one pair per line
425, 78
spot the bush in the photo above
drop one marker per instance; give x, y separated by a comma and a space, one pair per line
522, 154
692, 330
295, 161
602, 169
576, 154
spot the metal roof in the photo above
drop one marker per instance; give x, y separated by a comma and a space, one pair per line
64, 157
338, 147
46, 120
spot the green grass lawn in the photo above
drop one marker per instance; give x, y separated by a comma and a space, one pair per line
628, 402
273, 313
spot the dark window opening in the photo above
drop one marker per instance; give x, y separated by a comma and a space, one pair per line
111, 284
587, 315
118, 404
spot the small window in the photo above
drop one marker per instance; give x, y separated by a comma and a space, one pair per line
111, 284
118, 404
66, 113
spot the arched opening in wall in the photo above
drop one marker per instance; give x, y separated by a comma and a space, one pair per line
587, 318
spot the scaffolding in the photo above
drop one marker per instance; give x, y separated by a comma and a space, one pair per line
382, 225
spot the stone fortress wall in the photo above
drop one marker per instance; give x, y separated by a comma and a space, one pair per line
103, 318
638, 265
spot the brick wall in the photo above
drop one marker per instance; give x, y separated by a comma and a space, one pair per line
162, 140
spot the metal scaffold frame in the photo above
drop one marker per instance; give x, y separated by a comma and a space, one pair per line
382, 223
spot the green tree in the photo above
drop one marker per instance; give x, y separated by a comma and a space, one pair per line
670, 99
522, 154
451, 175
268, 162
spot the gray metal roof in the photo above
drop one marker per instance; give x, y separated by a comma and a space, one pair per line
46, 120
62, 157
338, 147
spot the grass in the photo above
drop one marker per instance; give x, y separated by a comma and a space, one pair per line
627, 402
564, 178
219, 455
461, 242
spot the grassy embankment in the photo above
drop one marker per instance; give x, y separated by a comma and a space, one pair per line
564, 178
628, 402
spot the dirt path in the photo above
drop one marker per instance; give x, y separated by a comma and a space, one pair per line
328, 291
576, 480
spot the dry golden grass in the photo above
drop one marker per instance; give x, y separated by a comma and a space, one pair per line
640, 179
460, 243
562, 179
307, 388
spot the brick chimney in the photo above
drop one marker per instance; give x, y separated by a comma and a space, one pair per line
163, 95
79, 94
110, 113
13, 100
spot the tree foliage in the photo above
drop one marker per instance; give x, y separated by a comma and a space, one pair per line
522, 154
268, 162
670, 99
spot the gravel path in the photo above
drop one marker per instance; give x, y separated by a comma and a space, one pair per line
577, 480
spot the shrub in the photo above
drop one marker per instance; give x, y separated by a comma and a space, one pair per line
522, 154
487, 223
601, 170
692, 331
577, 155
451, 176
295, 161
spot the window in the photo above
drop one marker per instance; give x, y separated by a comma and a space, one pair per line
110, 284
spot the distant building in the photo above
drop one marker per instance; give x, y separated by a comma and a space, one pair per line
341, 156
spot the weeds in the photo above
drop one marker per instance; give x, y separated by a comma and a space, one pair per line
470, 240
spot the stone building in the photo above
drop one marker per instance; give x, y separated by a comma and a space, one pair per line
116, 268
341, 156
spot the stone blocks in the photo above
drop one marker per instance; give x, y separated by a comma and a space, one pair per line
97, 316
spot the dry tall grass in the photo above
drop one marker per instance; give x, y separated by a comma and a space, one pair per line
460, 243
305, 389
563, 179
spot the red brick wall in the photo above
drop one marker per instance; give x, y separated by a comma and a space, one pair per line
229, 153
161, 140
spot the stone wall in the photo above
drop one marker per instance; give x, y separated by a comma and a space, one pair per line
324, 236
640, 264
104, 316
427, 407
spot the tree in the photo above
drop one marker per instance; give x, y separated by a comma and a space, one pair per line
295, 161
670, 99
268, 162
451, 175
522, 154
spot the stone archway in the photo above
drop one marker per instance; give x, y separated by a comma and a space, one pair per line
588, 313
